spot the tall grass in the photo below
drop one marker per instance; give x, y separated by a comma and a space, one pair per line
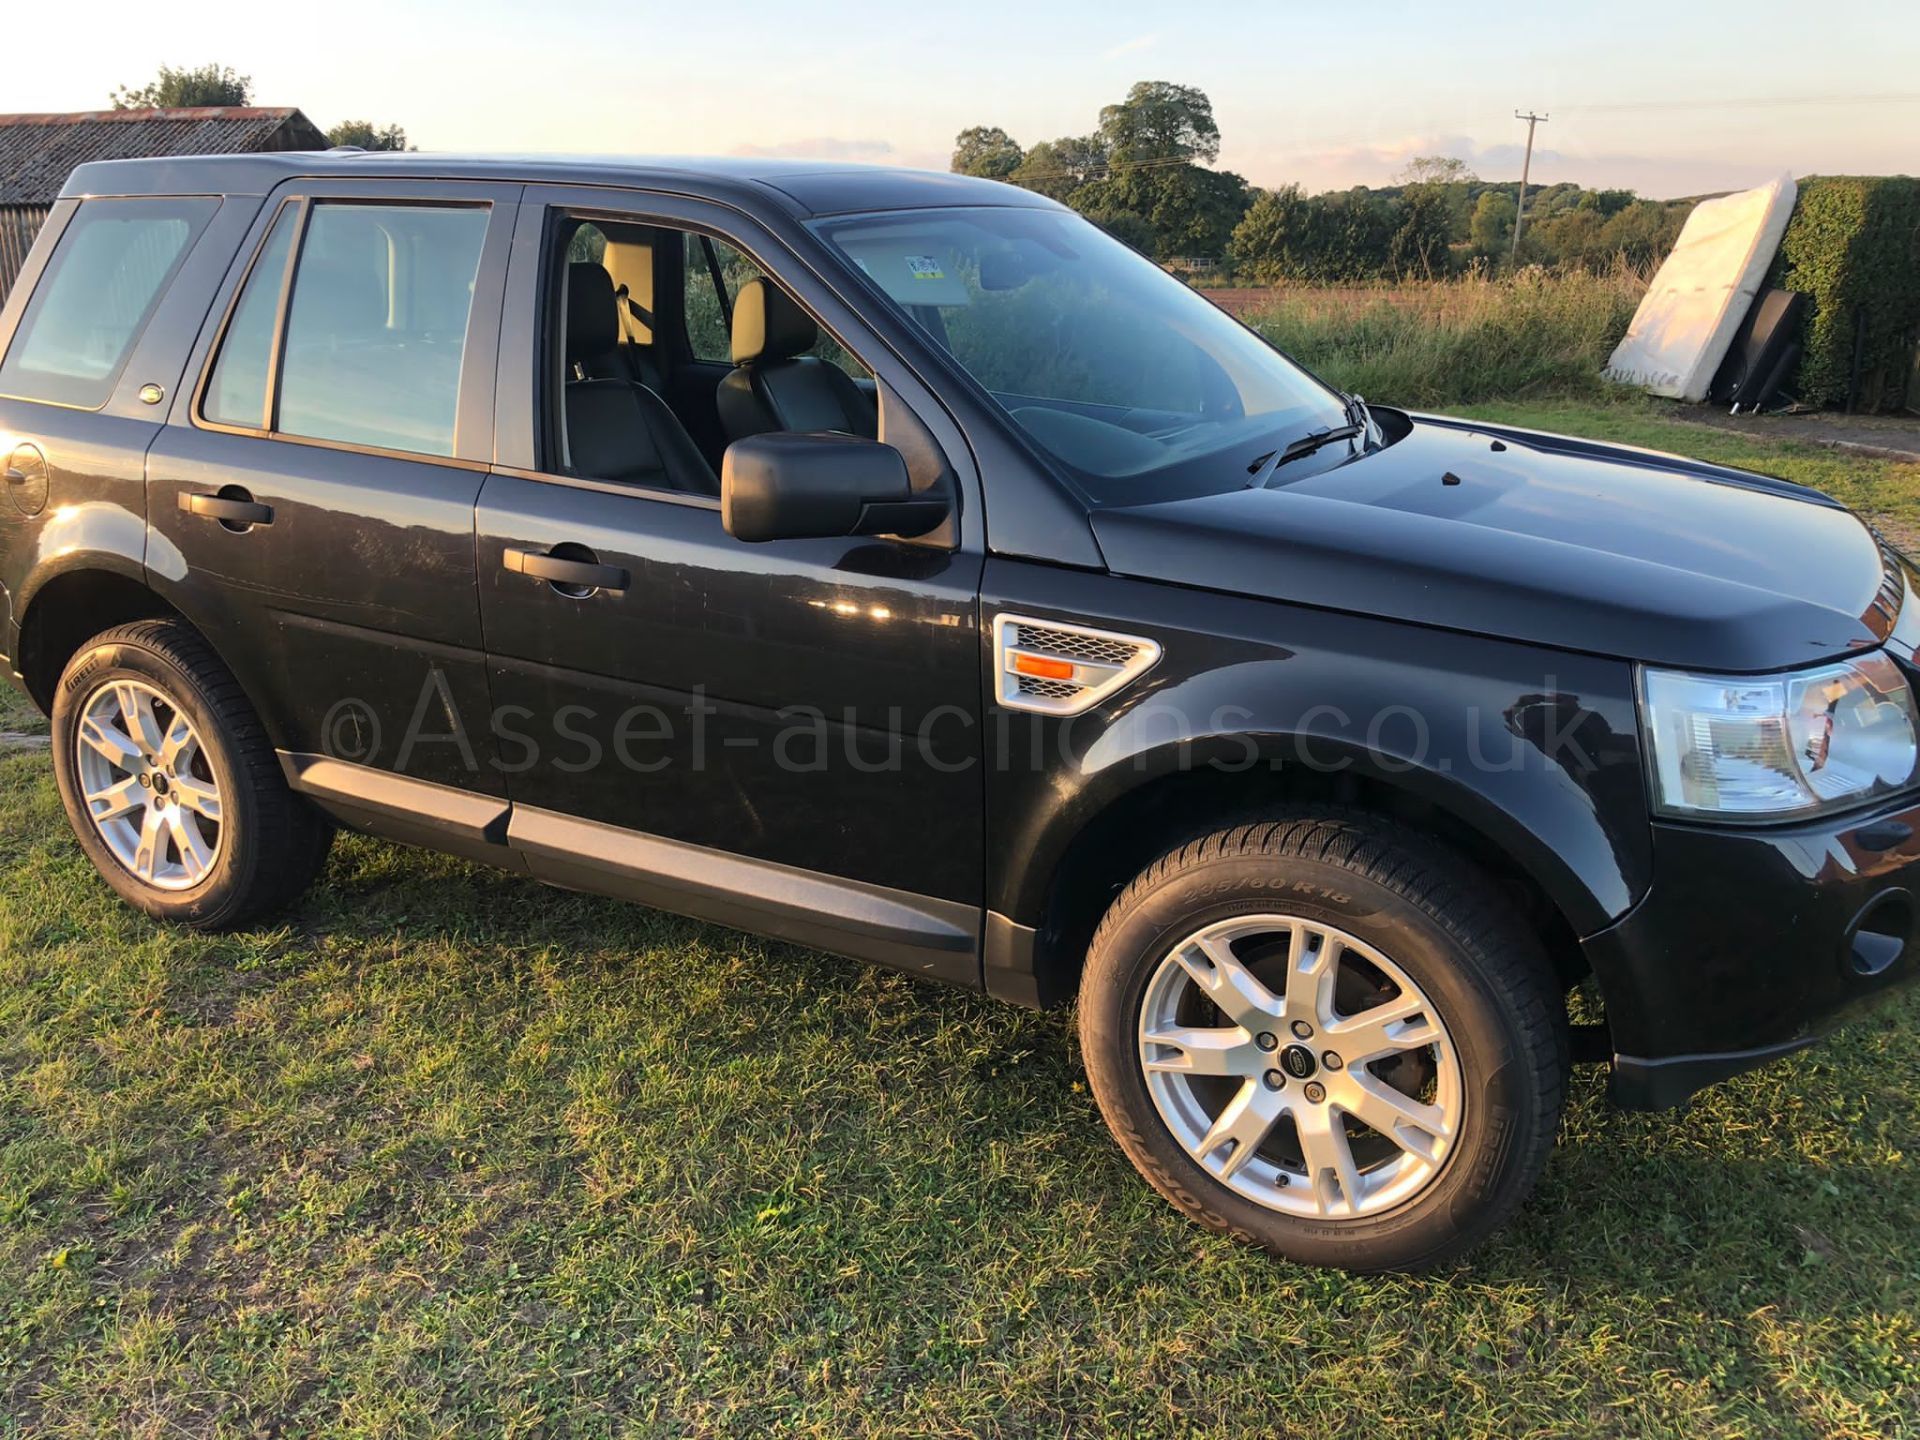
1457, 342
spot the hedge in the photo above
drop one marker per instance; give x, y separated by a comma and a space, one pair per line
1853, 244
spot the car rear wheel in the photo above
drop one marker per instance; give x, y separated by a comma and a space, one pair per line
1325, 1036
171, 785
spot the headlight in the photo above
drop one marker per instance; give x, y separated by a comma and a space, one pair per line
1772, 746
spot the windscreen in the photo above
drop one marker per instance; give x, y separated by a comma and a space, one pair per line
1139, 387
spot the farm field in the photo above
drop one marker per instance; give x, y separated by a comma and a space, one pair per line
447, 1153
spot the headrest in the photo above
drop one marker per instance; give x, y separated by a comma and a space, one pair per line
769, 326
593, 324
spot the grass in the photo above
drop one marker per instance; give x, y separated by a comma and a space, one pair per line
1458, 342
17, 715
446, 1153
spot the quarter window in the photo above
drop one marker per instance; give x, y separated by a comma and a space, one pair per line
112, 265
238, 392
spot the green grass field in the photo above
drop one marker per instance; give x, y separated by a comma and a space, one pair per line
448, 1154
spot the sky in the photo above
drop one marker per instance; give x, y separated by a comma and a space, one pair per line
1669, 99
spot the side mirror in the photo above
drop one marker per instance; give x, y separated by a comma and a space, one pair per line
788, 486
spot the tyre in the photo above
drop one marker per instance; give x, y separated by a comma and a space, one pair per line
1325, 1036
171, 785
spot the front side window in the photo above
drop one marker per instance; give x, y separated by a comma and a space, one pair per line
372, 336
111, 267
1141, 388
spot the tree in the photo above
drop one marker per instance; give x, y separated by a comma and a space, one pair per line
987, 151
1188, 211
1274, 240
1491, 228
1423, 228
1644, 231
202, 85
1437, 170
1161, 121
368, 136
1443, 179
1125, 226
1057, 168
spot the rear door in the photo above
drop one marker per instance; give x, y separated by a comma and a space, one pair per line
312, 498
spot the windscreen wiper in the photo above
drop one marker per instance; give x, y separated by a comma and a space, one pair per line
1359, 414
1265, 465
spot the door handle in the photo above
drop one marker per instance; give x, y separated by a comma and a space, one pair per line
558, 570
227, 509
16, 476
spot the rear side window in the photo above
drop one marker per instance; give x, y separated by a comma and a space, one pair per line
371, 338
112, 265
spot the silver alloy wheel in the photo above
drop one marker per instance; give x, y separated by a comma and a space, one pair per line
1280, 1093
147, 784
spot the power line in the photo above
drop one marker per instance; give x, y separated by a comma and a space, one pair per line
1106, 169
1893, 97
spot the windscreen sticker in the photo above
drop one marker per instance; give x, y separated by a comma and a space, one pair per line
925, 267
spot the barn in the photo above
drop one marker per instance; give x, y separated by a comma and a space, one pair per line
37, 152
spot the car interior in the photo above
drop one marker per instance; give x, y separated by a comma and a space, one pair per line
670, 347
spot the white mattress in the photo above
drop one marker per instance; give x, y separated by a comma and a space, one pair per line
1698, 300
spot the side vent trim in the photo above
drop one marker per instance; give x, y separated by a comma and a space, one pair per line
1054, 668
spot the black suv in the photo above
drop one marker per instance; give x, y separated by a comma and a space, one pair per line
894, 563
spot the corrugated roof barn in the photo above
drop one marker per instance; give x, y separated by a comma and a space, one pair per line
37, 152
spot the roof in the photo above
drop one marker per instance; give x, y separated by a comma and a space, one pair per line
799, 187
37, 152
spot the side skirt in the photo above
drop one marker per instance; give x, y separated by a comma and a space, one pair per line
939, 939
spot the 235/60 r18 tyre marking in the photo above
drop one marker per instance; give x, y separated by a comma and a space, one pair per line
147, 786
1300, 1067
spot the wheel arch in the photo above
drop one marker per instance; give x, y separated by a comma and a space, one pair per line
68, 608
1180, 793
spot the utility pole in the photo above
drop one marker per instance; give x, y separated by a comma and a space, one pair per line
1526, 169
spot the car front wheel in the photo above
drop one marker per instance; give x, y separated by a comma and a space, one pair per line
1325, 1036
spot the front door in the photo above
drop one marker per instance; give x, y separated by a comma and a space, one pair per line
782, 735
311, 501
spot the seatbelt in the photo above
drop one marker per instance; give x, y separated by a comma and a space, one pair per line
630, 310
719, 283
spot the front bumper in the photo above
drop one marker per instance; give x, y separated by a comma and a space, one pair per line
1750, 944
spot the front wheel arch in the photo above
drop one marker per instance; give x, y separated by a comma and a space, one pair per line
1165, 809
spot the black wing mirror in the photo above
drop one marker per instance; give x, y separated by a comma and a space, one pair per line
787, 486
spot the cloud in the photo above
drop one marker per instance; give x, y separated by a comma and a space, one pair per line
1131, 47
821, 147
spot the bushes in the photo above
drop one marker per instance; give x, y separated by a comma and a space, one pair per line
1459, 342
1853, 247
